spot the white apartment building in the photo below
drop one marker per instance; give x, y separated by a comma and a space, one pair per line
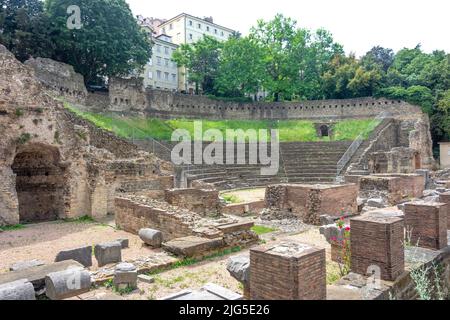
161, 72
187, 29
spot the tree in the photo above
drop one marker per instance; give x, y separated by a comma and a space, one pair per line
25, 29
348, 79
282, 43
241, 70
109, 43
202, 62
378, 57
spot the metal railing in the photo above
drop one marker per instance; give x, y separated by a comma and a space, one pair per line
348, 155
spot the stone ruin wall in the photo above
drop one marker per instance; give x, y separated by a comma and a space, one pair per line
52, 166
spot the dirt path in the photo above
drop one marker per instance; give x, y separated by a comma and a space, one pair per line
43, 241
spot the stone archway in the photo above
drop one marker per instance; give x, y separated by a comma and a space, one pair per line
39, 183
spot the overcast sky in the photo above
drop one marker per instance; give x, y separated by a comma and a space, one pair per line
357, 24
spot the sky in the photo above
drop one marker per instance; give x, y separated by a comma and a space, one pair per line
356, 24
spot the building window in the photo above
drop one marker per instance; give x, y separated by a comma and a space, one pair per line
190, 36
158, 61
174, 77
207, 28
166, 76
150, 75
150, 62
166, 50
166, 62
190, 23
164, 30
158, 48
221, 33
199, 26
158, 74
171, 26
215, 31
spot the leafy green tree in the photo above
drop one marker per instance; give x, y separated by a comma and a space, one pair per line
378, 57
282, 43
348, 79
25, 29
241, 71
202, 62
109, 43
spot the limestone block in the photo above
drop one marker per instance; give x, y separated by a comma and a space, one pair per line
125, 276
68, 283
151, 237
17, 290
106, 253
82, 255
22, 265
125, 243
239, 268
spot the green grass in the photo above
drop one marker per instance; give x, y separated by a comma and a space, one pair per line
159, 129
83, 219
231, 198
12, 228
192, 261
260, 230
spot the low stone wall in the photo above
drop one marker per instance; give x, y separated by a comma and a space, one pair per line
243, 209
205, 202
394, 188
309, 202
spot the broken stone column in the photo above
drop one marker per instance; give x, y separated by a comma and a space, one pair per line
239, 268
445, 198
426, 224
125, 276
153, 238
377, 243
107, 253
23, 265
82, 255
17, 290
68, 283
287, 271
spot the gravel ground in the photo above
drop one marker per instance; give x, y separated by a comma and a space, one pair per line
44, 240
248, 195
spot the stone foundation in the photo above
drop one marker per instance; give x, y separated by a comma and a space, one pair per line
394, 188
205, 202
445, 198
290, 271
309, 202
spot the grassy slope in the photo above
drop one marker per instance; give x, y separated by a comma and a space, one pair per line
289, 130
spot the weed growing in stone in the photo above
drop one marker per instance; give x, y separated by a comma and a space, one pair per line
12, 228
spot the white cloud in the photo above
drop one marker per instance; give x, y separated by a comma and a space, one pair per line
356, 24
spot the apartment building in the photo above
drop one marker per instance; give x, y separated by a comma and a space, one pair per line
161, 72
187, 29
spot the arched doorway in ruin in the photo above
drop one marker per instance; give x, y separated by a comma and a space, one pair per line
39, 183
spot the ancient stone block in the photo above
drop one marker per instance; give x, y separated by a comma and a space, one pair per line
427, 224
309, 202
125, 276
239, 268
107, 253
151, 237
393, 188
68, 283
36, 275
82, 255
196, 200
17, 290
377, 241
445, 198
125, 243
192, 246
287, 271
25, 265
146, 279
